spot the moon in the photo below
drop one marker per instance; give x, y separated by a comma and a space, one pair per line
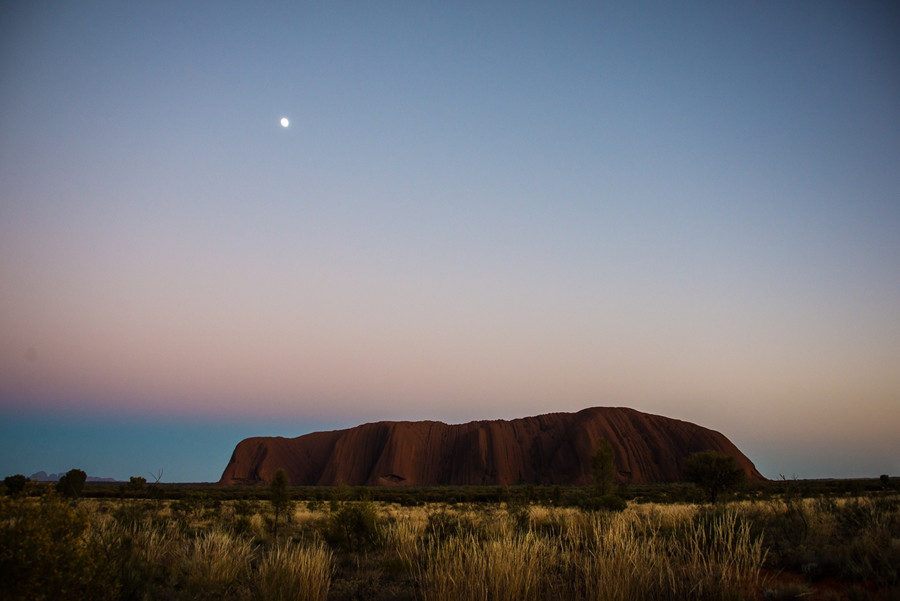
285, 122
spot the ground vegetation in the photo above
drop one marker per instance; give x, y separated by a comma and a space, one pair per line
787, 540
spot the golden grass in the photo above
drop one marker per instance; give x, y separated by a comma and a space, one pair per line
610, 557
465, 568
214, 561
291, 572
451, 552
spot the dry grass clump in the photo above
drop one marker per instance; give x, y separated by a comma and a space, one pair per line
215, 563
627, 557
556, 521
619, 557
304, 516
402, 538
484, 523
153, 546
290, 572
257, 524
665, 516
198, 549
465, 568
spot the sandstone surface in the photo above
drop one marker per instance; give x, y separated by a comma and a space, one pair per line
554, 448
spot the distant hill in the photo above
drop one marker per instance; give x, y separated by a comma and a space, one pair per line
43, 476
546, 449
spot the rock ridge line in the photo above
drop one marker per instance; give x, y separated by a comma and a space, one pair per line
548, 449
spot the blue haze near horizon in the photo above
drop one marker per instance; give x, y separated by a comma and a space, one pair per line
477, 212
177, 449
198, 450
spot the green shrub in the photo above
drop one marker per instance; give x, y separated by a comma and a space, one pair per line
71, 484
872, 552
46, 551
713, 472
603, 503
354, 526
15, 484
242, 525
443, 524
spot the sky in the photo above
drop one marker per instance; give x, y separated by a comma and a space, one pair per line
478, 211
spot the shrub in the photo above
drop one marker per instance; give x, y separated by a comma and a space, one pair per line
136, 486
603, 503
354, 526
871, 553
45, 551
15, 484
71, 484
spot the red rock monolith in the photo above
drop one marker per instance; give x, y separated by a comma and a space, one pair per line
554, 448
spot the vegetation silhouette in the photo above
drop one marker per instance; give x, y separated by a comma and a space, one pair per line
71, 484
713, 472
455, 543
279, 495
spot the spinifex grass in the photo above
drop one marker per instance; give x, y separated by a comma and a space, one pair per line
615, 558
290, 572
464, 568
224, 550
215, 562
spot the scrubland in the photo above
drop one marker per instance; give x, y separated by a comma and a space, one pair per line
781, 547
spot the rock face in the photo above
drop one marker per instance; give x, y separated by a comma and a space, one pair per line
547, 449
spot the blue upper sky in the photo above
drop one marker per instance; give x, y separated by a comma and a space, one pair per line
478, 211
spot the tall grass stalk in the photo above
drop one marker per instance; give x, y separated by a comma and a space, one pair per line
215, 562
609, 558
290, 572
129, 549
715, 558
465, 568
402, 537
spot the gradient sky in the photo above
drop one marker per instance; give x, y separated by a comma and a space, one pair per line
479, 211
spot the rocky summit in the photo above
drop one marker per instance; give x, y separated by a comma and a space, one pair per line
554, 448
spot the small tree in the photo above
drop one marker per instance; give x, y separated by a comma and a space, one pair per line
603, 467
279, 495
72, 483
713, 472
